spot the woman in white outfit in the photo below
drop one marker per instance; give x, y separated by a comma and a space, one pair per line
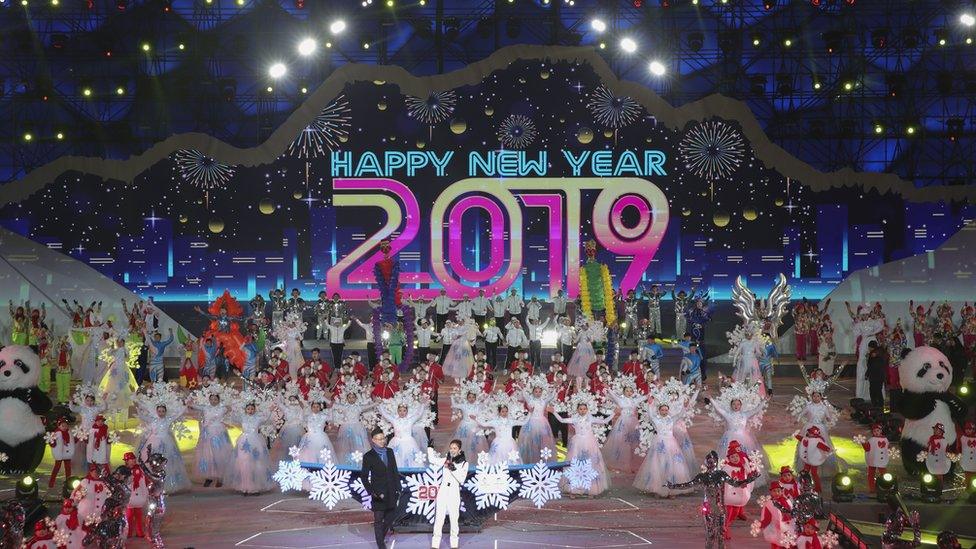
454, 469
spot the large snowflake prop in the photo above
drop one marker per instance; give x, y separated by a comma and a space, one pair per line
290, 475
492, 486
365, 499
580, 474
324, 132
712, 150
540, 484
330, 485
423, 492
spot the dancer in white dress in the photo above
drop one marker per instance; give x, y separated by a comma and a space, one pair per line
536, 434
213, 452
665, 462
406, 449
864, 330
85, 404
250, 470
460, 357
293, 427
158, 413
347, 413
118, 384
741, 408
625, 434
468, 407
497, 416
583, 355
584, 445
816, 411
745, 359
315, 439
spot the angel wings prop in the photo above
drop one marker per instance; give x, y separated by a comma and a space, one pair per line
768, 312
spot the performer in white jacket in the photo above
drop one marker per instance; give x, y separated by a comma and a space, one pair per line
455, 471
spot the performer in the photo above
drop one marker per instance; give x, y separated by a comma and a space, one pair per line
250, 470
503, 444
323, 307
816, 411
567, 335
536, 434
728, 405
691, 366
665, 470
583, 355
118, 384
213, 451
347, 412
315, 440
515, 338
652, 353
492, 336
936, 459
813, 451
159, 346
559, 303
62, 376
514, 306
775, 519
466, 400
584, 444
381, 479
370, 341
68, 524
460, 358
462, 309
424, 335
920, 319
87, 407
746, 355
442, 306
257, 305
157, 421
714, 481
455, 472
99, 450
535, 329
619, 450
278, 306
138, 496
967, 451
877, 453
408, 413
698, 317
43, 537
62, 449
769, 355
865, 328
801, 327
653, 298
479, 308
739, 467
681, 302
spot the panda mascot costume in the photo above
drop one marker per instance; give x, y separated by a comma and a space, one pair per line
925, 376
21, 405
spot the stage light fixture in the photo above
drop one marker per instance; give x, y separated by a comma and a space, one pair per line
967, 19
26, 488
941, 37
452, 28
59, 136
931, 488
843, 488
848, 86
598, 25
816, 85
910, 38
146, 47
602, 45
277, 70
657, 68
784, 83
696, 41
240, 2
944, 82
969, 40
28, 136
727, 41
69, 486
269, 89
895, 83
910, 130
628, 45
337, 26
513, 27
120, 91
756, 40
181, 46
769, 4
971, 490
788, 42
55, 3
365, 45
307, 47
87, 92
878, 129
886, 486
757, 84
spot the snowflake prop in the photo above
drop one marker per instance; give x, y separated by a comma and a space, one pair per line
423, 492
435, 108
82, 391
201, 171
491, 486
859, 439
755, 529
365, 499
3, 457
712, 150
324, 132
290, 475
330, 485
829, 539
545, 454
517, 132
540, 484
920, 457
51, 437
356, 457
612, 111
61, 538
580, 474
788, 538
294, 452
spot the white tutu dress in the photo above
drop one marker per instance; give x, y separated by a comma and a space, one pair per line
737, 428
290, 433
157, 434
624, 435
820, 415
665, 462
250, 470
460, 359
468, 431
118, 383
352, 433
213, 453
583, 356
584, 445
536, 434
405, 447
315, 438
503, 444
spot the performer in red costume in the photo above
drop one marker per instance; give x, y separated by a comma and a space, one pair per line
138, 498
225, 315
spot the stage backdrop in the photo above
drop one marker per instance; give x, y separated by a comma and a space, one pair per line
492, 177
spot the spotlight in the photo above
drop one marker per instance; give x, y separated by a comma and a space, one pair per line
59, 136
87, 92
910, 130
931, 488
307, 47
967, 19
788, 42
26, 488
337, 26
878, 129
69, 486
816, 85
146, 47
657, 68
843, 488
964, 390
277, 70
598, 25
941, 36
628, 45
971, 490
886, 486
28, 136
769, 4
696, 41
120, 91
756, 40
181, 46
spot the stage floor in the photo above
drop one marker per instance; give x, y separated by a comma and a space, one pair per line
214, 518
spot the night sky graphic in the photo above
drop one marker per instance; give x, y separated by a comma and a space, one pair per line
190, 227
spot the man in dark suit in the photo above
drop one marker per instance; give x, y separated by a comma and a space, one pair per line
382, 480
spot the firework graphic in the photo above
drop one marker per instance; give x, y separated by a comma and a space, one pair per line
612, 111
202, 171
433, 109
324, 132
712, 150
517, 132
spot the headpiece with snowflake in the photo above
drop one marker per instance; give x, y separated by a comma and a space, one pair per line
494, 401
622, 383
747, 394
82, 391
290, 328
466, 386
540, 381
817, 386
226, 394
577, 399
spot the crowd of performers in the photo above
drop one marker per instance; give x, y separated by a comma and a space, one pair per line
626, 415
